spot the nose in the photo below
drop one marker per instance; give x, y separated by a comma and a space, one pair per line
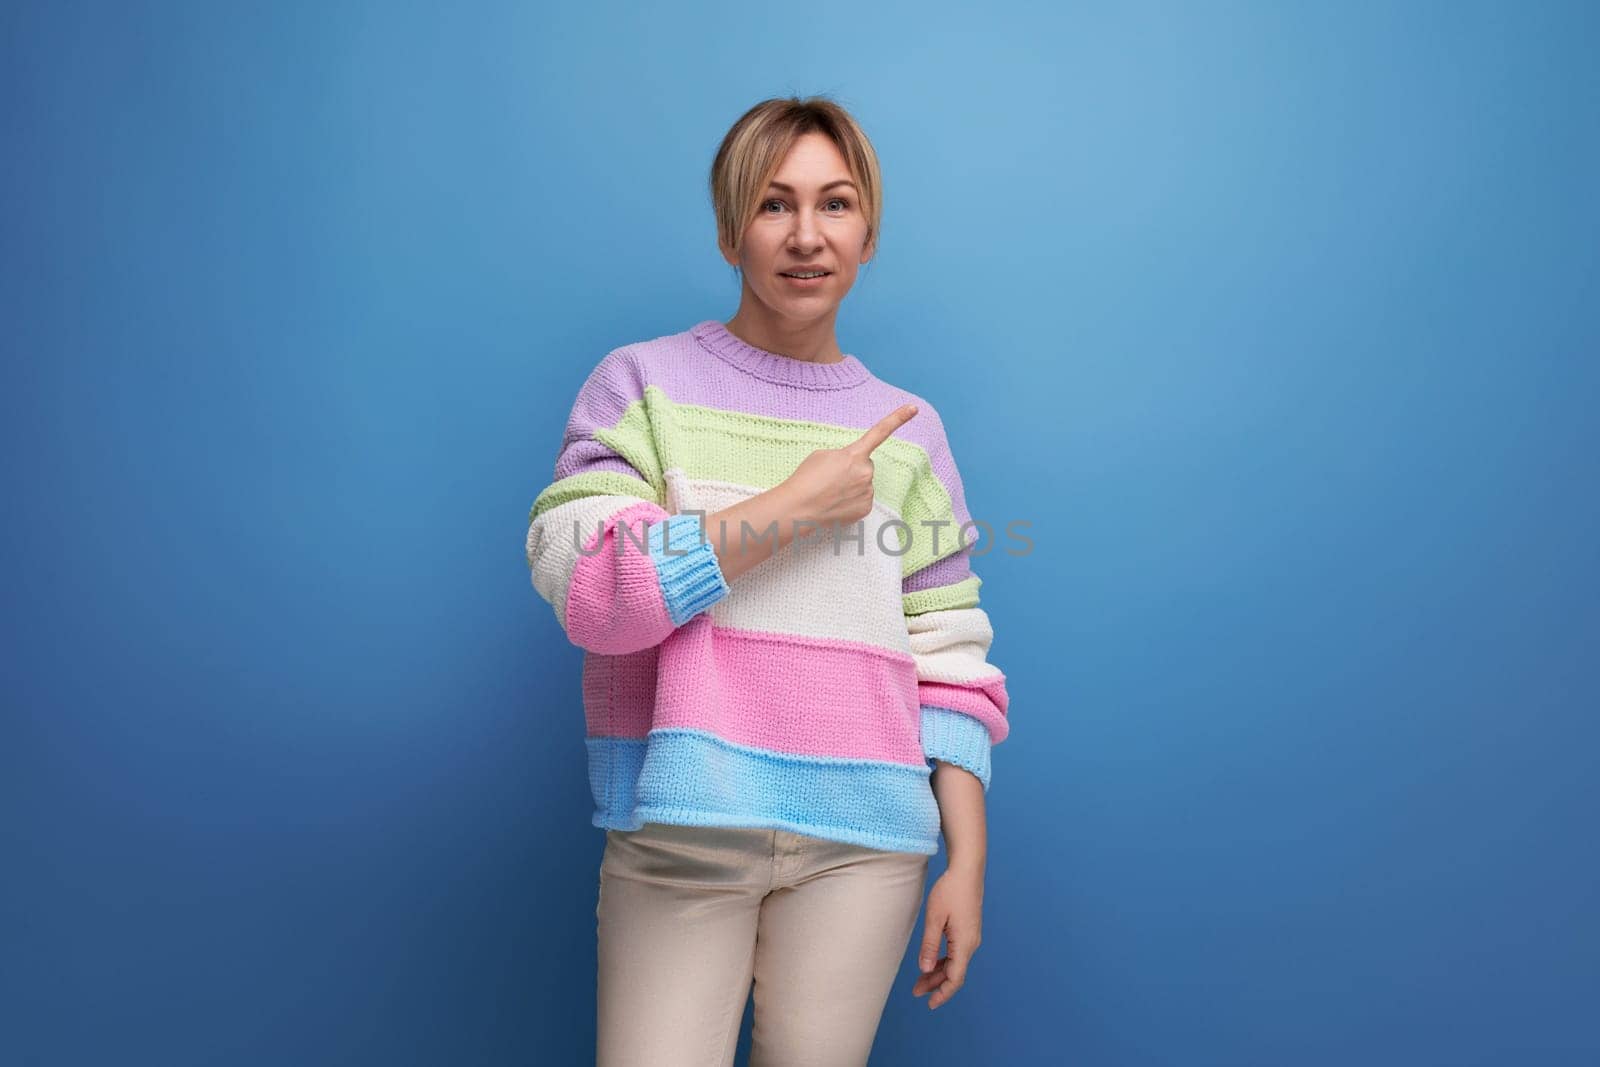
806, 237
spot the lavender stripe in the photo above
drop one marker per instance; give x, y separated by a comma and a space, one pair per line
947, 571
586, 457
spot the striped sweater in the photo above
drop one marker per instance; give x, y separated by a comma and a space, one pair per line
815, 691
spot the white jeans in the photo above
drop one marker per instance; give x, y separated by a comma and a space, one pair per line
688, 917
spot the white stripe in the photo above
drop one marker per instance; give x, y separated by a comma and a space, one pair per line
813, 587
952, 645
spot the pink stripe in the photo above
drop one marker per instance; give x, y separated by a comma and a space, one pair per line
619, 692
780, 692
985, 701
614, 604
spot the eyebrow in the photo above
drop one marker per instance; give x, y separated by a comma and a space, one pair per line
825, 188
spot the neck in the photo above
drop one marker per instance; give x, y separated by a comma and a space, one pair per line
810, 341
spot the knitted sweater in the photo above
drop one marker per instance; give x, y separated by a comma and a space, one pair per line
813, 693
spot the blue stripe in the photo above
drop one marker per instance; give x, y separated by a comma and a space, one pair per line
691, 576
694, 778
956, 738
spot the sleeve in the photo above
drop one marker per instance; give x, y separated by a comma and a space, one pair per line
619, 570
961, 693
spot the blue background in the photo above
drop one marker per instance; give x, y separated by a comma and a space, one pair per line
1277, 321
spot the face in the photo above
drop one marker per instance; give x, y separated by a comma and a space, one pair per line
810, 216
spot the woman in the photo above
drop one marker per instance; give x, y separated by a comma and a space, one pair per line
761, 547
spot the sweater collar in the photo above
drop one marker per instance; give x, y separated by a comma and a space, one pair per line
715, 338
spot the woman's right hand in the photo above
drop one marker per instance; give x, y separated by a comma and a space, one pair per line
834, 485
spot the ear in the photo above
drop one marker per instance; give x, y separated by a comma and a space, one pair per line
870, 249
729, 255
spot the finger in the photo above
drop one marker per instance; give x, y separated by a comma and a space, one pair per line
932, 980
878, 433
960, 955
932, 931
943, 993
956, 970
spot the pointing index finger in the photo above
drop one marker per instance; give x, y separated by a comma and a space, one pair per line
880, 431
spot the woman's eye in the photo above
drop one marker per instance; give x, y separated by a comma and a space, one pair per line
844, 205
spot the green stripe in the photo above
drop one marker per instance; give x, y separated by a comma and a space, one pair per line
962, 594
706, 442
655, 434
592, 483
632, 439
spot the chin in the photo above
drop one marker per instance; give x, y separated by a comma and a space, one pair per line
809, 307
810, 301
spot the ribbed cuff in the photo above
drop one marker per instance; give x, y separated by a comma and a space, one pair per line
956, 738
691, 577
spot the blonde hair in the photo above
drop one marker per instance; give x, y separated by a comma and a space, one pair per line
754, 148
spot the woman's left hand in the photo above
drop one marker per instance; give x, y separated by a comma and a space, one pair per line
954, 911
